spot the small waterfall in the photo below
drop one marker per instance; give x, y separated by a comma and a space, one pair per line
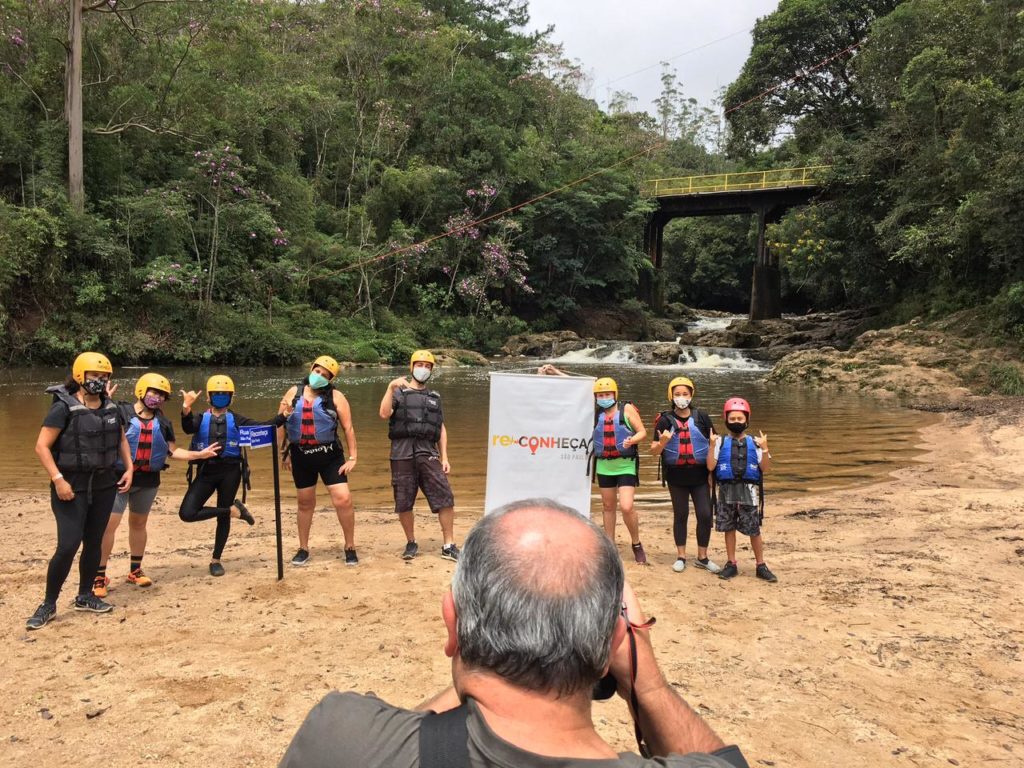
718, 357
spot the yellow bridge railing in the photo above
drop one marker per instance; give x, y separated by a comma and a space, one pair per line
780, 178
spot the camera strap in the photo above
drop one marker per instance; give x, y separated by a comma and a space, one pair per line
634, 702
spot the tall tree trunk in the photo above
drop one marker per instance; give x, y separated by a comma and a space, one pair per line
73, 107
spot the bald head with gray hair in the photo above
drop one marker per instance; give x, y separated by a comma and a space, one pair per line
537, 591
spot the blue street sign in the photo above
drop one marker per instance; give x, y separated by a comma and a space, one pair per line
255, 437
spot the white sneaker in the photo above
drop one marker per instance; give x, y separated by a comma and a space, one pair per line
710, 565
680, 565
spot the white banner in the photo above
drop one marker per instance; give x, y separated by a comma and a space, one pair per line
539, 437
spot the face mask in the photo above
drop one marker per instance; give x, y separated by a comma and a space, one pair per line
152, 402
422, 373
736, 428
220, 399
316, 381
682, 403
94, 386
605, 402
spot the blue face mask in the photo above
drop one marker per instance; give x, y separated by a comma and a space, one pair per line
220, 399
316, 381
605, 402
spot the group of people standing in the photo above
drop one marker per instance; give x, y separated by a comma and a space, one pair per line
105, 457
721, 475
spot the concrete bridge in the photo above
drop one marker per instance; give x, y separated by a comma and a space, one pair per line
766, 194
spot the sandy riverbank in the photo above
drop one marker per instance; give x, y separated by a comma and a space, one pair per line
892, 638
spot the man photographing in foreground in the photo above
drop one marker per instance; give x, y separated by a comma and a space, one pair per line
534, 619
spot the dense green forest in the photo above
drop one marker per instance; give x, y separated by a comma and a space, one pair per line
262, 181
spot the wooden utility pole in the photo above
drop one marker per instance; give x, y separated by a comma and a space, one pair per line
73, 108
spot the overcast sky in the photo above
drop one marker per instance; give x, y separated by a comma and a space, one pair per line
615, 40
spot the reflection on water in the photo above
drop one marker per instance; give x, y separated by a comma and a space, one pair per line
818, 440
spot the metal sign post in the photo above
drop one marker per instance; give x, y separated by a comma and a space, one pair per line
262, 437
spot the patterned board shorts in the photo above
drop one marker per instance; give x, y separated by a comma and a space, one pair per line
745, 518
420, 473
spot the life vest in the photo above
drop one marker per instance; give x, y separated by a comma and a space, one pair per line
146, 441
201, 439
688, 446
418, 414
737, 461
609, 434
313, 423
92, 437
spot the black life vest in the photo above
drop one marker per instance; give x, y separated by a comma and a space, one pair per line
92, 437
418, 414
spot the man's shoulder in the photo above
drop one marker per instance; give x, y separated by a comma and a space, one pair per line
693, 760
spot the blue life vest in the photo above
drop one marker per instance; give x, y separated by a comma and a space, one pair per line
201, 439
158, 448
325, 418
737, 461
609, 435
688, 445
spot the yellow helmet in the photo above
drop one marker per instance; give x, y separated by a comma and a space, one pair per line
90, 361
324, 361
219, 383
606, 384
152, 381
421, 356
681, 381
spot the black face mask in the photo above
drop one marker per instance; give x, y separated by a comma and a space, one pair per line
94, 386
735, 427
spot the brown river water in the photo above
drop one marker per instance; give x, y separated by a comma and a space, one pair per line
818, 440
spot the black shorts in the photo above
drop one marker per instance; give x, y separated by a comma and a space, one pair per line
420, 473
745, 518
617, 481
320, 461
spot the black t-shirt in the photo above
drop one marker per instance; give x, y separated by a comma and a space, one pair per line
690, 474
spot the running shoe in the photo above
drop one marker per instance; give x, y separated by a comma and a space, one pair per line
99, 586
679, 565
216, 569
43, 614
764, 573
638, 553
707, 565
411, 550
450, 552
243, 512
93, 604
301, 557
136, 577
729, 571
351, 558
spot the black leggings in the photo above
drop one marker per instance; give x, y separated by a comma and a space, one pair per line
222, 478
80, 523
681, 512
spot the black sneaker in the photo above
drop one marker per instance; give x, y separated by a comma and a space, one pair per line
351, 558
764, 573
92, 603
43, 614
243, 512
450, 552
301, 557
411, 550
216, 569
729, 571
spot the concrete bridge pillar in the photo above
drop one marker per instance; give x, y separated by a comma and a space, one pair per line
766, 286
654, 234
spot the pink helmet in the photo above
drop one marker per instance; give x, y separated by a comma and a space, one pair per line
736, 404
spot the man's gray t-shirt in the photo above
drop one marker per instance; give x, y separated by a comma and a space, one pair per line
408, 447
347, 729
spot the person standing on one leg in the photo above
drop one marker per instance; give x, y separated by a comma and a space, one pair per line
739, 463
78, 446
221, 474
618, 429
682, 440
315, 409
419, 452
151, 441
